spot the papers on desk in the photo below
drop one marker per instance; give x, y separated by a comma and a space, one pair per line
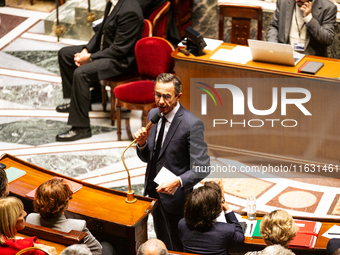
212, 44
239, 54
333, 232
250, 227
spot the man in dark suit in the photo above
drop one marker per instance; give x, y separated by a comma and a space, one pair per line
333, 245
177, 146
309, 26
110, 52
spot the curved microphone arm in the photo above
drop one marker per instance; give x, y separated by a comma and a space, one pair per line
130, 194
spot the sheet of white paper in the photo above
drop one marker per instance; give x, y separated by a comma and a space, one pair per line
333, 232
239, 54
164, 175
212, 44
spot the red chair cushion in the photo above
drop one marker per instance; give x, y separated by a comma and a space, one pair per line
153, 55
137, 92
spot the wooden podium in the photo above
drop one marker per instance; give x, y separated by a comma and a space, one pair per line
108, 216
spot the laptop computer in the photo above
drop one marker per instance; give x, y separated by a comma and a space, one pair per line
277, 53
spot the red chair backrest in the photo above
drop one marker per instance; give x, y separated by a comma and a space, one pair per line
153, 55
160, 20
147, 32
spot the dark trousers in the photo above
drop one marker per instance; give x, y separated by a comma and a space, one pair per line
76, 85
166, 225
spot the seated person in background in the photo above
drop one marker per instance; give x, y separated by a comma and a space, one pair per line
276, 249
277, 227
11, 220
76, 249
333, 246
4, 186
308, 25
50, 203
199, 230
109, 53
152, 247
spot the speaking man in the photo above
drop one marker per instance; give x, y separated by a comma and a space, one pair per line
175, 144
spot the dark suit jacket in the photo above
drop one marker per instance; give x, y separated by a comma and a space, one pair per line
149, 6
183, 150
216, 240
332, 246
121, 30
320, 30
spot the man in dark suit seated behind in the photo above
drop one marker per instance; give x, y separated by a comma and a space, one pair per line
110, 52
309, 26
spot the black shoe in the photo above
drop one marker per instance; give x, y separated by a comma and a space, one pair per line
74, 134
63, 108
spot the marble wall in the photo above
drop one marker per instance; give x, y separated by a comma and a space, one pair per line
205, 21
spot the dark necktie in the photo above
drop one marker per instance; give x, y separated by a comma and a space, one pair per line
156, 151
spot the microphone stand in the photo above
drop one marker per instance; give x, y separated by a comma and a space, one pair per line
131, 194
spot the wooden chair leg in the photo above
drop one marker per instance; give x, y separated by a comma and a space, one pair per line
128, 129
113, 107
104, 94
144, 118
119, 128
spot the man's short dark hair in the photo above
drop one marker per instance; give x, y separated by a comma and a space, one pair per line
169, 77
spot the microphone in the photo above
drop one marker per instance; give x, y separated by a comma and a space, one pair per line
154, 120
130, 194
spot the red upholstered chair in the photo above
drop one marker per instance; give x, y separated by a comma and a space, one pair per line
138, 95
182, 11
114, 81
160, 20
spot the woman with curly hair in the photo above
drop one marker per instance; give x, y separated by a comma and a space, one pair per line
277, 227
199, 230
12, 220
50, 202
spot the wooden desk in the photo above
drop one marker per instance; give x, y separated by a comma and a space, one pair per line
321, 242
108, 216
315, 139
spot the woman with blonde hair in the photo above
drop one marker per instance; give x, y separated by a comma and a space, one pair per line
12, 220
277, 227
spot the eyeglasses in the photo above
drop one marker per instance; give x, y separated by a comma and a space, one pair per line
223, 200
165, 97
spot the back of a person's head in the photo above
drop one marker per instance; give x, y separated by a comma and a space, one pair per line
10, 210
3, 182
202, 207
213, 185
337, 252
77, 249
278, 227
51, 198
152, 247
277, 249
